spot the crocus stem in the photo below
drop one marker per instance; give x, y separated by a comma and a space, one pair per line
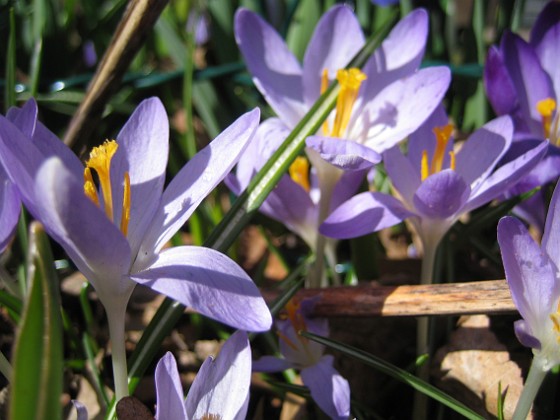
422, 331
327, 180
115, 317
532, 385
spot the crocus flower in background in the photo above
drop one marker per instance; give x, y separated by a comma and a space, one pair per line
533, 276
219, 391
436, 186
115, 233
522, 79
328, 388
10, 207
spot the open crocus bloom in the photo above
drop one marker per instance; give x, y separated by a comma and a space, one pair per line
219, 391
377, 108
523, 80
115, 232
328, 388
533, 276
436, 186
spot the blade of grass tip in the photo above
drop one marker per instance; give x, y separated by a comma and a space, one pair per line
10, 92
396, 373
38, 366
243, 208
501, 400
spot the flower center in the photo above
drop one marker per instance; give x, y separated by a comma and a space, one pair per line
555, 317
546, 108
293, 314
100, 160
299, 172
350, 81
443, 134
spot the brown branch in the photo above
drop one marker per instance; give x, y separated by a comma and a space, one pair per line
487, 297
137, 21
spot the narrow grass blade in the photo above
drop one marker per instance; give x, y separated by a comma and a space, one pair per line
10, 92
37, 375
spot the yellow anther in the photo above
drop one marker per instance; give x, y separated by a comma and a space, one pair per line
299, 172
100, 160
324, 86
350, 82
125, 216
555, 318
443, 134
89, 187
295, 316
209, 416
546, 108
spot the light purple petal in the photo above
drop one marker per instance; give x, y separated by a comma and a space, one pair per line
337, 38
551, 237
221, 387
271, 364
399, 109
343, 154
441, 195
209, 282
346, 187
169, 391
483, 149
81, 410
276, 72
399, 56
403, 174
498, 84
95, 244
523, 334
10, 207
530, 275
365, 213
328, 388
195, 181
530, 81
547, 51
505, 177
143, 149
24, 118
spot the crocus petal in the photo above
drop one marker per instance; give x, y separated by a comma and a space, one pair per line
328, 388
95, 244
531, 83
335, 41
523, 334
530, 275
498, 84
81, 410
344, 154
10, 207
211, 283
276, 72
547, 51
400, 54
271, 364
548, 17
24, 118
505, 177
143, 149
551, 237
441, 195
221, 387
195, 181
399, 109
346, 187
365, 213
404, 176
169, 391
483, 149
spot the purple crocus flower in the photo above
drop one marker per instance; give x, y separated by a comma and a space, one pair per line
328, 388
219, 391
10, 206
522, 79
377, 108
115, 233
533, 276
436, 186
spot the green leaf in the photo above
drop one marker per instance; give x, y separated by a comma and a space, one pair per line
396, 373
10, 92
37, 380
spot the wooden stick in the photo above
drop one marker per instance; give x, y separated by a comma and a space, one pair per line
481, 297
137, 21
